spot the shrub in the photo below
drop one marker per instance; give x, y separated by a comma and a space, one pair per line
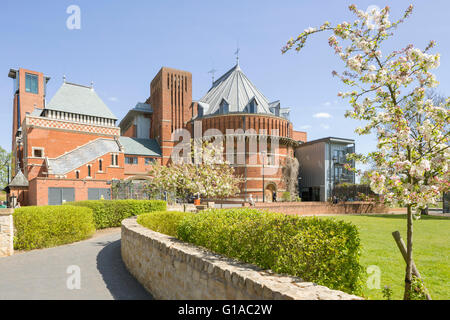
110, 213
49, 226
324, 251
286, 196
163, 221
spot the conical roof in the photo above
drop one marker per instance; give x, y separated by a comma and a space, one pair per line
19, 180
237, 91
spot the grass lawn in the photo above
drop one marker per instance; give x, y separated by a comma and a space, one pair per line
431, 252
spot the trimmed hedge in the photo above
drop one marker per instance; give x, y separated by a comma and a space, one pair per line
163, 221
49, 226
110, 213
324, 251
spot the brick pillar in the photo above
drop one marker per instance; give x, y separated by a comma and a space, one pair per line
6, 232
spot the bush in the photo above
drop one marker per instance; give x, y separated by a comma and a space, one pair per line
163, 221
286, 196
110, 213
49, 226
324, 251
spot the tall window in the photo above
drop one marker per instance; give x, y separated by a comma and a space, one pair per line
100, 165
224, 107
31, 83
77, 174
89, 170
114, 160
253, 106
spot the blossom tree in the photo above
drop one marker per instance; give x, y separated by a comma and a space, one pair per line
388, 93
212, 178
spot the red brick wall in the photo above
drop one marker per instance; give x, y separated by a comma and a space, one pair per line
171, 99
299, 136
38, 189
130, 132
140, 168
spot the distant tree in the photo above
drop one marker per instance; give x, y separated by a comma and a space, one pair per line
5, 163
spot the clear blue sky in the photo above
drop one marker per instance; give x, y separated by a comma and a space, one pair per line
122, 44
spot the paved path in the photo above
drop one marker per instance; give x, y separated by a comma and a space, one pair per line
42, 274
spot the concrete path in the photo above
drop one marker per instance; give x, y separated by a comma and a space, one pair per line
42, 274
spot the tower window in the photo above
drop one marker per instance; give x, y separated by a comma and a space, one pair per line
77, 174
31, 83
38, 152
100, 165
89, 170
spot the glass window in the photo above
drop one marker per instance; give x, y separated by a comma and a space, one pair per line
31, 83
100, 165
89, 170
131, 160
224, 107
114, 159
38, 153
253, 106
149, 161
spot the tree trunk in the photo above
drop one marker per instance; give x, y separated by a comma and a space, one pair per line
409, 242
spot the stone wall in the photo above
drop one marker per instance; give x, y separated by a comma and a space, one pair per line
6, 232
307, 208
171, 269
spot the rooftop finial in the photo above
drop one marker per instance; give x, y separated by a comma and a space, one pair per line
212, 71
92, 84
64, 78
237, 55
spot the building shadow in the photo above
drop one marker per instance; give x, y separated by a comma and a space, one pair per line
120, 283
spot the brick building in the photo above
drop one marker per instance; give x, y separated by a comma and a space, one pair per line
71, 148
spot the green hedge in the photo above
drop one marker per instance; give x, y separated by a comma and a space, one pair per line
324, 251
49, 226
110, 213
163, 221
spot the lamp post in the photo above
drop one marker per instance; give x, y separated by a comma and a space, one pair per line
263, 154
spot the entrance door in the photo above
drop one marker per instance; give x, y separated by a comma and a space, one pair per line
57, 196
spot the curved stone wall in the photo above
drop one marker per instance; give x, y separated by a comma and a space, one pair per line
171, 269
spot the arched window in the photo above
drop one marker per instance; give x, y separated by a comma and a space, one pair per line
77, 174
89, 170
100, 165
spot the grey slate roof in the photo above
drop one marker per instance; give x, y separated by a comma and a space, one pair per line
19, 180
75, 98
237, 90
36, 112
82, 155
139, 146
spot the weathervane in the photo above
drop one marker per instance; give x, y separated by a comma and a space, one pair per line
212, 71
237, 54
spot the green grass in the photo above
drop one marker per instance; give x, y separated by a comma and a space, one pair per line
431, 252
